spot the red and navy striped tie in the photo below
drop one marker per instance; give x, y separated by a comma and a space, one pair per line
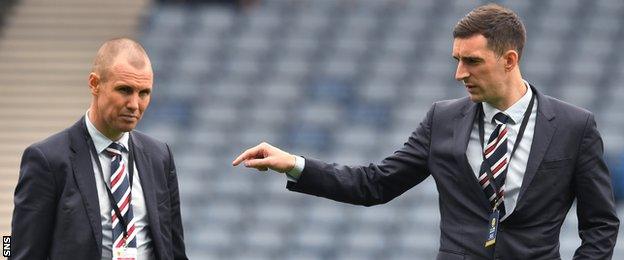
497, 160
120, 189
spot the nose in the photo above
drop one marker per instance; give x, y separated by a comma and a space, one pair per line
133, 102
461, 73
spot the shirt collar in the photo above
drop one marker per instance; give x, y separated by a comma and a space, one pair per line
100, 141
515, 112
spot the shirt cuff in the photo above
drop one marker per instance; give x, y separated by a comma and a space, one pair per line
294, 174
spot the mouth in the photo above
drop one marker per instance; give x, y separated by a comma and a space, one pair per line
129, 117
471, 88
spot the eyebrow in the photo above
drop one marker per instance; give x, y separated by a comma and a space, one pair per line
134, 88
120, 86
476, 58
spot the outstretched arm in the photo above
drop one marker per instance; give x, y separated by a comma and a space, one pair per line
362, 185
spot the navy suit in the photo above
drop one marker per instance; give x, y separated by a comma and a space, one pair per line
57, 213
565, 163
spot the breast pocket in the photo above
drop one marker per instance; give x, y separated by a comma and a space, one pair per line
556, 164
555, 174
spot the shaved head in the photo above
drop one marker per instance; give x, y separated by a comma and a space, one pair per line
119, 50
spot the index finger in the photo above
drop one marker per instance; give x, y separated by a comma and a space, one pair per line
247, 154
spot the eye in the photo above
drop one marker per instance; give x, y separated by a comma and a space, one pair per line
472, 61
144, 93
124, 90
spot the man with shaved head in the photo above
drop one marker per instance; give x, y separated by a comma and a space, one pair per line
99, 189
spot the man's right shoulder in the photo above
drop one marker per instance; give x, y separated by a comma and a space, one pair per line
53, 144
453, 106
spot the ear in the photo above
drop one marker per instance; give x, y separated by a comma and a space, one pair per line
510, 58
94, 83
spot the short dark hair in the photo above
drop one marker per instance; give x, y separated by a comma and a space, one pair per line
499, 25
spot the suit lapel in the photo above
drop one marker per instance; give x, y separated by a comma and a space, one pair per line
146, 173
461, 136
544, 131
85, 177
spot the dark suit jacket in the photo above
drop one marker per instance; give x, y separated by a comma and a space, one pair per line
565, 163
57, 213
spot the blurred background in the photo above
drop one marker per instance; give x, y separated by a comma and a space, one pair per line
345, 81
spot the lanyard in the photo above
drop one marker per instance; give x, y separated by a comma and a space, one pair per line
525, 121
108, 191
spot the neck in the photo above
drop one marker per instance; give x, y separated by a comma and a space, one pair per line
515, 91
99, 125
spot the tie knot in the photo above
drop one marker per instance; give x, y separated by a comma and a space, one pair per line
500, 117
115, 149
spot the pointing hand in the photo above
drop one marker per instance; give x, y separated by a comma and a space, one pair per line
264, 156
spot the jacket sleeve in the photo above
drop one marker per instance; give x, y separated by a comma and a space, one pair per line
177, 233
35, 207
598, 222
372, 184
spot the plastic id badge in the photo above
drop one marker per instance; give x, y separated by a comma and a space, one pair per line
124, 253
491, 238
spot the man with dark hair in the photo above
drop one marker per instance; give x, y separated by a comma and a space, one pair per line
98, 189
507, 160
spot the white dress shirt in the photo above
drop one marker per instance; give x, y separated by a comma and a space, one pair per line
143, 237
517, 165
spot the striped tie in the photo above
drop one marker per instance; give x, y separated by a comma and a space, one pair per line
120, 189
496, 159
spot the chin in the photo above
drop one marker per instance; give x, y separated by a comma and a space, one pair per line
475, 98
126, 127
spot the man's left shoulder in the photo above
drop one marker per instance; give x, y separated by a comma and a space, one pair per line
567, 112
149, 143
